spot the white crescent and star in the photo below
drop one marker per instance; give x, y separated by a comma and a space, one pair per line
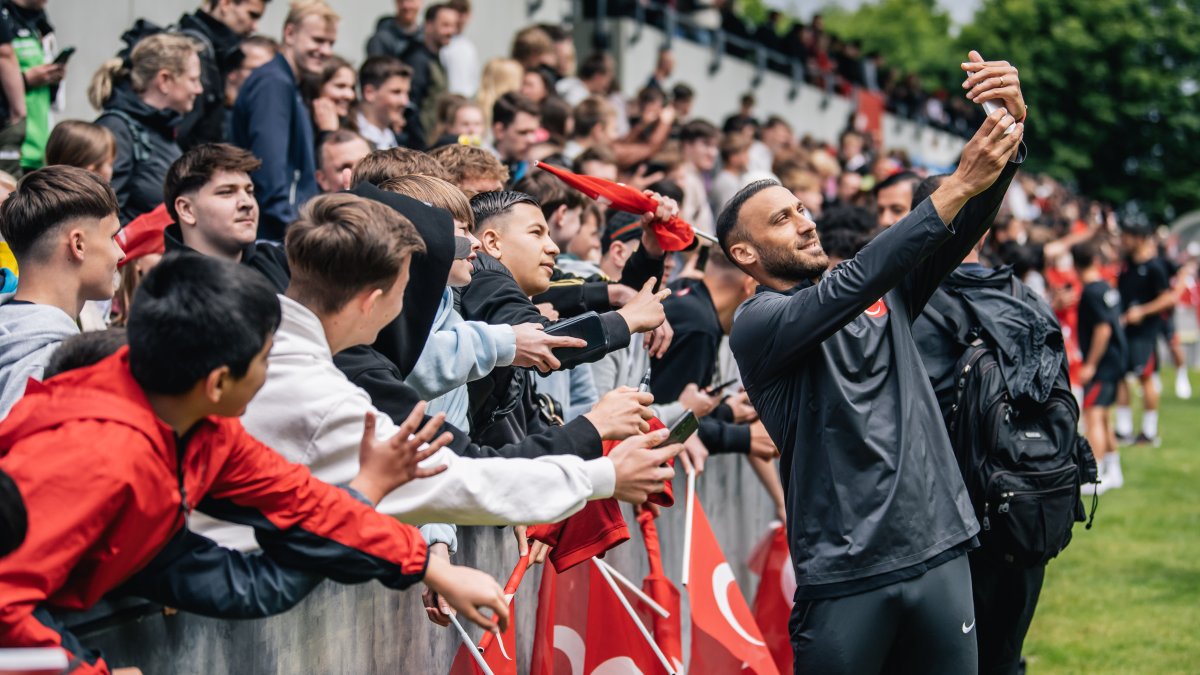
569, 643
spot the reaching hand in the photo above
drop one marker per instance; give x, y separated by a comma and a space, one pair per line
743, 410
694, 455
700, 402
641, 468
436, 608
645, 312
761, 445
325, 116
982, 160
535, 347
467, 591
47, 73
994, 81
658, 341
385, 465
621, 413
619, 295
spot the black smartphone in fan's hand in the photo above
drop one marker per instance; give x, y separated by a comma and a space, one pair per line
682, 430
64, 56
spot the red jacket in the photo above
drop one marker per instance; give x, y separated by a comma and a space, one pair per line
105, 490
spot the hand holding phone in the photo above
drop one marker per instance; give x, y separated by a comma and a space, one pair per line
64, 56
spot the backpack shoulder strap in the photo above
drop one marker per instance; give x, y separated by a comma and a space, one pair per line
141, 144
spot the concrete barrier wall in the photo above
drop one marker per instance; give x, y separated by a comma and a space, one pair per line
355, 630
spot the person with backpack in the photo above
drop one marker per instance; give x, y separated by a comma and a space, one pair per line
995, 356
142, 102
219, 27
879, 520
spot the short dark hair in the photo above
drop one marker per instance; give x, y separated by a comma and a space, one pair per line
85, 349
595, 64
846, 217
898, 178
45, 200
555, 114
193, 314
596, 153
698, 130
379, 69
728, 230
732, 145
505, 110
487, 205
339, 137
843, 243
550, 192
682, 92
651, 95
344, 244
433, 10
1084, 254
927, 187
668, 188
197, 166
590, 112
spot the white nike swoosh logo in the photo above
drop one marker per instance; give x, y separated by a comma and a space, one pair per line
966, 628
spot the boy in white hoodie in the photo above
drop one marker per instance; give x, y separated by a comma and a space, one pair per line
349, 260
60, 224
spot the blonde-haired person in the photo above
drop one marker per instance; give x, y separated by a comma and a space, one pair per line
500, 76
271, 120
83, 144
142, 103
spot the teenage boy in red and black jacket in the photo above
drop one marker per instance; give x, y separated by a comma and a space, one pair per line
110, 460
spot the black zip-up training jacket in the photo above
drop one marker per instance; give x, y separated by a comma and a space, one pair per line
874, 495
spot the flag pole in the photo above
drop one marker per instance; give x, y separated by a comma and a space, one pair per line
466, 640
633, 615
621, 579
687, 526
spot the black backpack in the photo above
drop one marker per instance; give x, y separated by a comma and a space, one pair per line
1023, 461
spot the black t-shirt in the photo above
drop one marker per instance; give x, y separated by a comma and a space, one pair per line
1101, 304
1141, 283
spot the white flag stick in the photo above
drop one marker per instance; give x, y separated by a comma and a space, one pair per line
633, 615
466, 640
641, 595
687, 527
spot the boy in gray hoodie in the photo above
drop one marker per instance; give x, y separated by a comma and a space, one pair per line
60, 224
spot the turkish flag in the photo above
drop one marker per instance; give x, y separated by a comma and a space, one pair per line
773, 602
615, 646
600, 526
558, 641
501, 656
668, 632
673, 235
725, 637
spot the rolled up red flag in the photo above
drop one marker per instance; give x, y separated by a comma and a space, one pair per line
144, 234
674, 234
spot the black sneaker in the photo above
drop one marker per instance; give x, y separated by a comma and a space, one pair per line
1143, 439
1123, 439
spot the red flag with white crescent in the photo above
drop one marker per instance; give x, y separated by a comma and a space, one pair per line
773, 602
500, 656
615, 646
725, 637
558, 641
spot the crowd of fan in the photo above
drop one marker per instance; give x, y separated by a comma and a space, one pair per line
388, 226
824, 60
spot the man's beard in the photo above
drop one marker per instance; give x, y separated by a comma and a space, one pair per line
791, 265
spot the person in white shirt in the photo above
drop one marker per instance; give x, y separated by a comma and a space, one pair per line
460, 58
349, 258
385, 82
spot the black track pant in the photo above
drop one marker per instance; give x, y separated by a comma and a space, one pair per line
1005, 598
922, 625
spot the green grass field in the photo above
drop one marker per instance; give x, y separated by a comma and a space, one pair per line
1125, 596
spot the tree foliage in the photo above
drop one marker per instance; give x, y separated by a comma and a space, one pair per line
913, 35
1111, 86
